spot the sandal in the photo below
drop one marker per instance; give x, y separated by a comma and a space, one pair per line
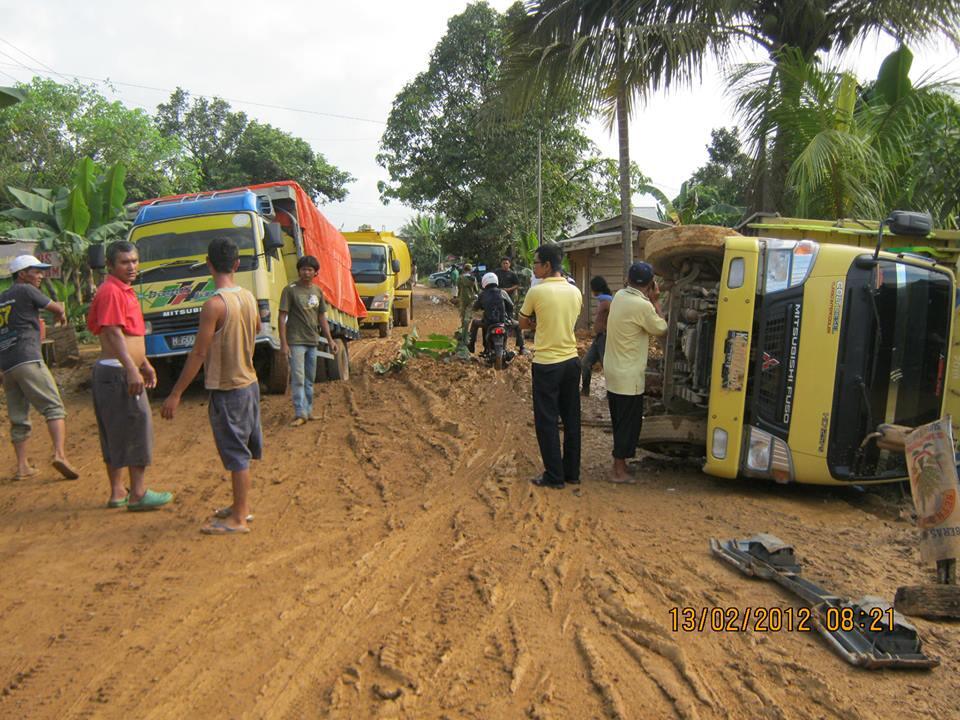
122, 502
225, 512
151, 500
219, 528
64, 468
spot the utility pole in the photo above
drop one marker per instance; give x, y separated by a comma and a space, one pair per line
539, 188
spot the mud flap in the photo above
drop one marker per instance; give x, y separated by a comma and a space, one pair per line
867, 633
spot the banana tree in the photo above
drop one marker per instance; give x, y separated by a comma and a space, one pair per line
69, 219
694, 204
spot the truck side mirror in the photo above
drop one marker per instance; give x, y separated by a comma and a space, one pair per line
273, 238
396, 266
96, 256
917, 224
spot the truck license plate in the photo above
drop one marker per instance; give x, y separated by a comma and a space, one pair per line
183, 341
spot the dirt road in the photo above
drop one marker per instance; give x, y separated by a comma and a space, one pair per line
401, 565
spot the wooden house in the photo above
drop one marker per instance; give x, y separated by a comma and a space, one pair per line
598, 250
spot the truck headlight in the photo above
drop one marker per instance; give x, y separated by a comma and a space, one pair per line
719, 446
787, 263
380, 302
767, 457
148, 328
758, 450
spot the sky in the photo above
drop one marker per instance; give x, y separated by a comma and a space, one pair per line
328, 72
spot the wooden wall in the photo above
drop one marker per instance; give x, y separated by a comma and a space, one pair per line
606, 261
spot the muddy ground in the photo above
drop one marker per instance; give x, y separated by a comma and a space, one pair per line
401, 565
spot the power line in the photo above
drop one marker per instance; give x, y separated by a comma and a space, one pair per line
29, 57
109, 82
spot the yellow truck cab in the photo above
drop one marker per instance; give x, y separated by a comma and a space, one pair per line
791, 352
273, 225
382, 270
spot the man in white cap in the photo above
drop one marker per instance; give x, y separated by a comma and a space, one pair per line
26, 378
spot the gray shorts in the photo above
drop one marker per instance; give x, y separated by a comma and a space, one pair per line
235, 421
30, 384
124, 422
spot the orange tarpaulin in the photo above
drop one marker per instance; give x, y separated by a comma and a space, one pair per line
323, 241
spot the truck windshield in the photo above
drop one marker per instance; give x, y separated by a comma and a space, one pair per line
369, 263
175, 251
891, 364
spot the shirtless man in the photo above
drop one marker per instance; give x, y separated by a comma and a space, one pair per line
120, 380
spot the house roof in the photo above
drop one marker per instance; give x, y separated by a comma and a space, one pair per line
607, 232
638, 222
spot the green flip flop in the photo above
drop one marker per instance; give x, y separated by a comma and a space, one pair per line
122, 502
151, 500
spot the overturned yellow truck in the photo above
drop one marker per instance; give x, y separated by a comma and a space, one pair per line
788, 346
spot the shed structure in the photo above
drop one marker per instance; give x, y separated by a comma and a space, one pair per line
598, 250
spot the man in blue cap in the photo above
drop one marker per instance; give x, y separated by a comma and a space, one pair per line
635, 315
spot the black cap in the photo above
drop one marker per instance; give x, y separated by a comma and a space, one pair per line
640, 273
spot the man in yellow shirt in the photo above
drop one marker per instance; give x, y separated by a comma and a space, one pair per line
551, 308
635, 315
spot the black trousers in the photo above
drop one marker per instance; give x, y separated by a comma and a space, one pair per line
556, 395
594, 355
626, 412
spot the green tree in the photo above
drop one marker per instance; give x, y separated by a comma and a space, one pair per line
859, 151
44, 137
717, 192
447, 150
231, 150
613, 51
606, 54
68, 219
425, 235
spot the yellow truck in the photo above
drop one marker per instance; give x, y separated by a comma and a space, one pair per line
382, 270
273, 224
787, 349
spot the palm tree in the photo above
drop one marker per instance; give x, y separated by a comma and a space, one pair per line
425, 234
851, 150
607, 54
613, 51
11, 96
792, 31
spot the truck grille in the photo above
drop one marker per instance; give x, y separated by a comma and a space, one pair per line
776, 365
174, 323
366, 301
769, 376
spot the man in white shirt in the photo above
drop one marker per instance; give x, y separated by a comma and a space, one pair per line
635, 315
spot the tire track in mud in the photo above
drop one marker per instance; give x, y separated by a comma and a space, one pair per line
454, 590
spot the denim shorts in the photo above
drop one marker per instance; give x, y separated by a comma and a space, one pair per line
235, 421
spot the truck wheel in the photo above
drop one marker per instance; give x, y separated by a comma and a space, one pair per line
339, 367
403, 317
278, 373
672, 251
384, 329
165, 377
321, 374
675, 435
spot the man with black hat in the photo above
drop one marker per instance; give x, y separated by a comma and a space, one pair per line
26, 378
635, 315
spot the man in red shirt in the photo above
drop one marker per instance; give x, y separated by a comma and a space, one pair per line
120, 380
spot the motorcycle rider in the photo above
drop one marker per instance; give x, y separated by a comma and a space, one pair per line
497, 308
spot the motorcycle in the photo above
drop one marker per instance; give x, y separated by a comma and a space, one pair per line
496, 354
